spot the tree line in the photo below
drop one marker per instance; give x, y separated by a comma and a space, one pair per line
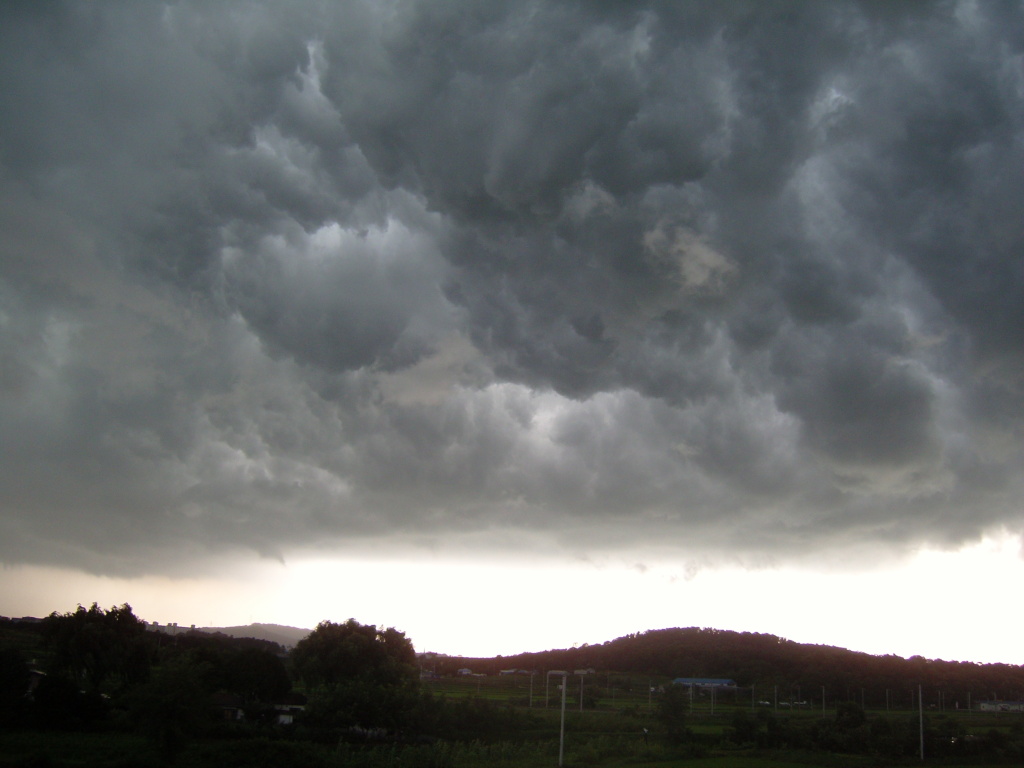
103, 670
768, 662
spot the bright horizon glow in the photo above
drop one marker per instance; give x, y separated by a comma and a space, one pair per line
483, 610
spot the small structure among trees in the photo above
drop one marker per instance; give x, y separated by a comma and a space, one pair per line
704, 682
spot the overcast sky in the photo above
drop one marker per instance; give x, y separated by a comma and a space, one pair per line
696, 283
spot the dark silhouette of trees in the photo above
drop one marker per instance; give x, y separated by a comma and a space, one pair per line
766, 661
256, 674
357, 675
103, 670
58, 703
172, 707
249, 668
673, 705
100, 650
14, 681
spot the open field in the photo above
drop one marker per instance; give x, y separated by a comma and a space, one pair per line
74, 750
624, 693
606, 692
607, 733
612, 691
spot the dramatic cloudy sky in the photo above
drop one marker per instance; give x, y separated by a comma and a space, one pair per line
405, 310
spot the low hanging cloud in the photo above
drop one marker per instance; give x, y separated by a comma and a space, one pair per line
702, 279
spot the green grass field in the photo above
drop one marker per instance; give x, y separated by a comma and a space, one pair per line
608, 733
74, 750
614, 692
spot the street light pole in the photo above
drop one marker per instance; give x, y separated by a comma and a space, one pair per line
561, 732
920, 718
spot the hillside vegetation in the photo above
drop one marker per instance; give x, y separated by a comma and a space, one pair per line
761, 660
98, 687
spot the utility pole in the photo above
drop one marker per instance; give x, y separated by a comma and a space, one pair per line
920, 718
561, 731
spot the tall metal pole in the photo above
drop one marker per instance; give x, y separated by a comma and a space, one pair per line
920, 718
561, 733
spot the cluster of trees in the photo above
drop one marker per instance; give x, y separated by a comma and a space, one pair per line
94, 668
102, 669
364, 682
358, 675
97, 668
766, 661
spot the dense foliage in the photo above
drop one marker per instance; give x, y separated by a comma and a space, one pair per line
338, 653
98, 649
765, 661
361, 700
358, 675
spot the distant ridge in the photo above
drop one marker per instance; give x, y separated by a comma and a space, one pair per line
754, 659
275, 633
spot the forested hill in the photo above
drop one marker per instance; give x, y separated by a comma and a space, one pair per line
287, 637
762, 660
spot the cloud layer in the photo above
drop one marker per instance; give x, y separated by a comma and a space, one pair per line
735, 278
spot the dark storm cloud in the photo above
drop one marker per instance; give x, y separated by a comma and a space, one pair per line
741, 276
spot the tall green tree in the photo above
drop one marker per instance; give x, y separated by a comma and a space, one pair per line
358, 674
673, 705
98, 649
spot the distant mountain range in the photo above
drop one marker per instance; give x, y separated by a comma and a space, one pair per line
275, 633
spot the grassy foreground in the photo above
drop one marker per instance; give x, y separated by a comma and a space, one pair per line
120, 750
